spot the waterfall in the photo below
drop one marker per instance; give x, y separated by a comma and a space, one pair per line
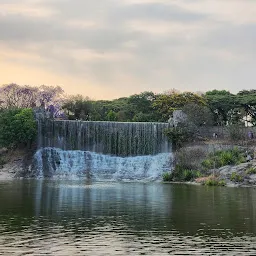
102, 150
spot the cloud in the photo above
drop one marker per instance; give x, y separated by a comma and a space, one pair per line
115, 48
233, 11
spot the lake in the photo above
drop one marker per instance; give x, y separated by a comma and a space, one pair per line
58, 217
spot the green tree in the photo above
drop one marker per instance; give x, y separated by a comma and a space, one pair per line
247, 101
17, 127
222, 104
199, 115
166, 103
111, 116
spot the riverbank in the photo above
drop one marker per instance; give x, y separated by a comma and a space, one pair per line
215, 163
17, 163
242, 175
14, 162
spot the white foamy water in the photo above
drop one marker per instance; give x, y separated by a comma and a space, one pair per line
54, 162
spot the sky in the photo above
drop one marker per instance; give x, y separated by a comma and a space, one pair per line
107, 49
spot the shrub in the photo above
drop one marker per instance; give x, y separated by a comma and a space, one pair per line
188, 175
215, 182
178, 136
17, 126
251, 170
179, 174
222, 183
167, 176
212, 181
235, 177
223, 157
208, 164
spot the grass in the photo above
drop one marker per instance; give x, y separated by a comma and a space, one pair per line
251, 170
215, 182
211, 181
181, 175
167, 176
235, 177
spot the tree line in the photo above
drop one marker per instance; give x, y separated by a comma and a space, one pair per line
215, 107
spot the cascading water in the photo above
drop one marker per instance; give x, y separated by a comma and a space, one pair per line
102, 150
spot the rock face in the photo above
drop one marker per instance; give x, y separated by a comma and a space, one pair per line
240, 175
16, 163
11, 170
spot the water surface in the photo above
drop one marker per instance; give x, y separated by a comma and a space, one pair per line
75, 218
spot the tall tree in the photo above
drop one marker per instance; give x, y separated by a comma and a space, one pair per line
166, 103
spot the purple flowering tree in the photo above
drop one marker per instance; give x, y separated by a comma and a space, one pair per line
51, 98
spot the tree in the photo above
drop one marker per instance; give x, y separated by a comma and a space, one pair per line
17, 127
24, 127
51, 98
111, 116
17, 96
222, 103
165, 104
247, 101
78, 107
198, 114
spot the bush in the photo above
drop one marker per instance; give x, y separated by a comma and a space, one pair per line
17, 126
208, 164
178, 136
213, 181
179, 174
251, 170
167, 176
235, 177
223, 157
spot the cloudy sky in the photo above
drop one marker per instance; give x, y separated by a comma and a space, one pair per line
111, 48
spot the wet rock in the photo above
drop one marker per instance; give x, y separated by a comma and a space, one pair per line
3, 151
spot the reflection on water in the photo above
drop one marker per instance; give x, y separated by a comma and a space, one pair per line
73, 218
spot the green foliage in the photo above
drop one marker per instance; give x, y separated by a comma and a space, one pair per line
136, 108
17, 126
179, 174
213, 181
208, 163
223, 157
167, 176
111, 116
230, 108
166, 103
215, 107
251, 170
178, 136
235, 177
220, 103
